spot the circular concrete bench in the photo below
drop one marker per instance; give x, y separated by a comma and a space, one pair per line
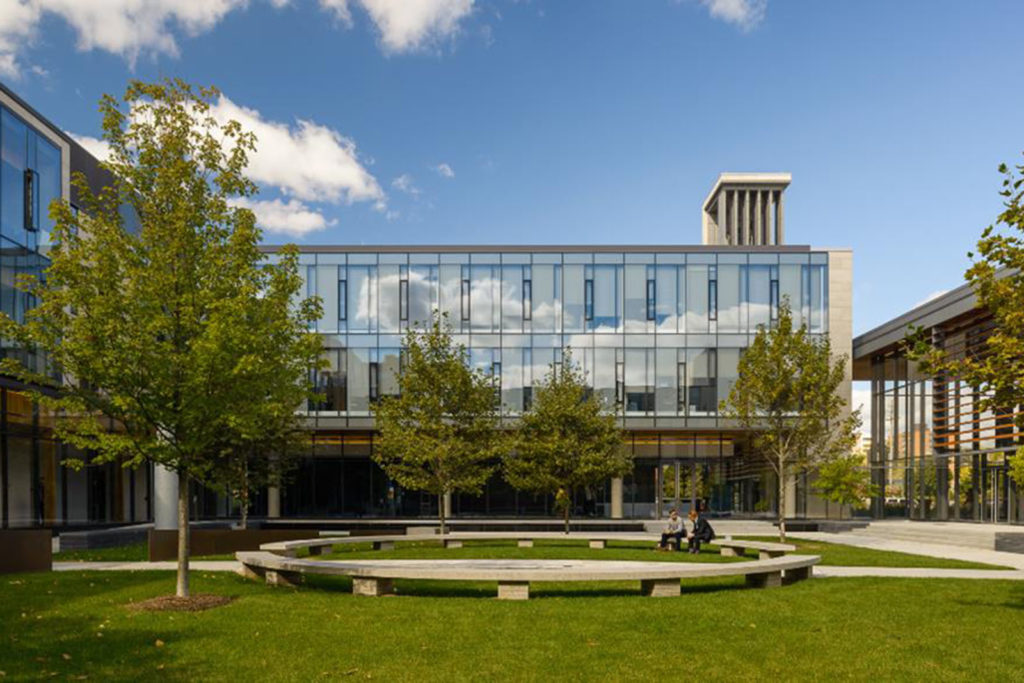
524, 539
658, 579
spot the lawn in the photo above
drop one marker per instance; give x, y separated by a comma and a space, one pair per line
831, 553
71, 625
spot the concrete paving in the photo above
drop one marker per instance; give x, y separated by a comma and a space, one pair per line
198, 565
918, 573
949, 552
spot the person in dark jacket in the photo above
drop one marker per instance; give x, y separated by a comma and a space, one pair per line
702, 531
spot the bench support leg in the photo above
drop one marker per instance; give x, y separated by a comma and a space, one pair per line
768, 554
597, 544
362, 585
317, 549
525, 542
452, 544
383, 545
279, 578
660, 588
513, 590
769, 580
255, 573
726, 551
798, 574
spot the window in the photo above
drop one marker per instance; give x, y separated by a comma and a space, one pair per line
374, 382
651, 299
403, 295
527, 378
465, 298
588, 299
527, 299
620, 378
496, 383
773, 289
712, 293
31, 200
681, 388
342, 299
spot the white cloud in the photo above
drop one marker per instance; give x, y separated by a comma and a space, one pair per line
306, 160
410, 25
132, 28
746, 14
405, 183
934, 295
292, 217
94, 146
445, 170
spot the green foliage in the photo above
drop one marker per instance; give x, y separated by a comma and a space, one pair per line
1017, 467
844, 480
786, 396
997, 278
179, 344
567, 439
439, 434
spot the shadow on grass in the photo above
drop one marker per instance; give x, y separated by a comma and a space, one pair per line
539, 589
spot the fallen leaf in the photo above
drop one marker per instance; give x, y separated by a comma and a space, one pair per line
66, 656
159, 643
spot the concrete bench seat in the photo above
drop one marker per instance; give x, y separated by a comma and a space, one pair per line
657, 579
524, 539
765, 550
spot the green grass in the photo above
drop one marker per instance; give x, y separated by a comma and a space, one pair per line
884, 629
831, 554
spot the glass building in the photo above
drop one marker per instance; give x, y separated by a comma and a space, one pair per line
36, 162
935, 453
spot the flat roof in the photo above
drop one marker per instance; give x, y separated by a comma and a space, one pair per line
729, 178
549, 248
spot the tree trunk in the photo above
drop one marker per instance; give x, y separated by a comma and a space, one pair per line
565, 514
182, 590
782, 503
441, 512
245, 496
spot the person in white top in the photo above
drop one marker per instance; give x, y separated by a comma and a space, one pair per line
674, 528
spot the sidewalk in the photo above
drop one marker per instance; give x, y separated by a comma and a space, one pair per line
918, 573
198, 565
950, 552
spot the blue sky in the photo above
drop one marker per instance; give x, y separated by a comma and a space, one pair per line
544, 121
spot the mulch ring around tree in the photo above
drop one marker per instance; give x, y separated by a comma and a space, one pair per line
172, 603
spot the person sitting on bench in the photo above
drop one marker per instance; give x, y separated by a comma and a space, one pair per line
674, 528
702, 531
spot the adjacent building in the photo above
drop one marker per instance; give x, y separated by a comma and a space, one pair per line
935, 454
37, 160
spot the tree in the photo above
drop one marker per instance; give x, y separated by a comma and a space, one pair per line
178, 340
786, 396
567, 439
844, 480
440, 433
997, 277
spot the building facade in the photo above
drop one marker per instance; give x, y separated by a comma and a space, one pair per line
658, 331
935, 453
36, 163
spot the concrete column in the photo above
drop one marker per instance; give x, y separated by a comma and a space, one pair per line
165, 498
617, 498
734, 217
721, 216
273, 502
746, 219
758, 222
780, 220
